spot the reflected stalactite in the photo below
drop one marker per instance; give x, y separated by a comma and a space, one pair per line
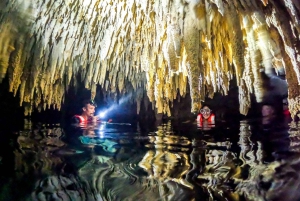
204, 171
114, 165
220, 168
268, 181
294, 132
66, 188
112, 171
40, 144
162, 164
252, 162
156, 47
168, 164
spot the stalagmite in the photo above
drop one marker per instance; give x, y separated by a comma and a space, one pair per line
165, 49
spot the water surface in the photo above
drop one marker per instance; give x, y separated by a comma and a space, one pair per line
235, 161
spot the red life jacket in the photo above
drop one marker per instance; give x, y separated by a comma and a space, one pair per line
211, 118
286, 112
81, 119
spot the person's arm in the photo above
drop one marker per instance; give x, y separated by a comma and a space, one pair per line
94, 119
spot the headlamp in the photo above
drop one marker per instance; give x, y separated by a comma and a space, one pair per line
101, 114
92, 102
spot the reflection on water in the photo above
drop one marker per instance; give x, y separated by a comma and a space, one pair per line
120, 162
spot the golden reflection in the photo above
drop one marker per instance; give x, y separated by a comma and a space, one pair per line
162, 163
40, 144
294, 132
248, 153
193, 165
173, 167
269, 180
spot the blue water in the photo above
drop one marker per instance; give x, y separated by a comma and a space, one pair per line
240, 160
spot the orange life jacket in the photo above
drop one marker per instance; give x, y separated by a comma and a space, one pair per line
210, 119
81, 119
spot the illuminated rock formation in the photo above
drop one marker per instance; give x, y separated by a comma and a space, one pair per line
161, 49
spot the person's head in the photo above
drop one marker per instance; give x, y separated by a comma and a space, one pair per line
205, 111
267, 110
88, 108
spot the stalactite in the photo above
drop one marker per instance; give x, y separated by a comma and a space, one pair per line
6, 48
236, 40
160, 47
263, 41
16, 68
192, 49
244, 98
253, 58
276, 17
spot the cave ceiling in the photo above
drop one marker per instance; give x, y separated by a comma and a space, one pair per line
159, 49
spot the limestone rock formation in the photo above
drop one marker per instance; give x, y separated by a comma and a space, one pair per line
157, 48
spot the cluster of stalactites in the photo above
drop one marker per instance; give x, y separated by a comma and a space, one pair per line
160, 47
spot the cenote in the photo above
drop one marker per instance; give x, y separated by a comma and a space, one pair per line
201, 100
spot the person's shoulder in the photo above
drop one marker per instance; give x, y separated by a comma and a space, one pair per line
76, 116
75, 119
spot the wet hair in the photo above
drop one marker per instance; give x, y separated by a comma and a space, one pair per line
267, 103
275, 102
207, 105
88, 101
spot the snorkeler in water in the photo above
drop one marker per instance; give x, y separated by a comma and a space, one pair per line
206, 115
87, 114
206, 119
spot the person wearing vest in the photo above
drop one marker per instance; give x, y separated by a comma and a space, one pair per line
205, 119
206, 115
87, 114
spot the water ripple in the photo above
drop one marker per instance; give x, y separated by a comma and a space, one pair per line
113, 163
